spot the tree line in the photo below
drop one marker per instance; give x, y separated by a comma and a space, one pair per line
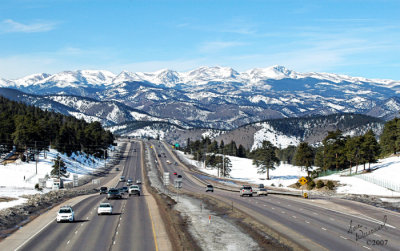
336, 152
28, 127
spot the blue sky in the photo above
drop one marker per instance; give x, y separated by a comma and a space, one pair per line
352, 37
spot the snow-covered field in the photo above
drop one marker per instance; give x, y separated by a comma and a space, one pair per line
386, 172
19, 178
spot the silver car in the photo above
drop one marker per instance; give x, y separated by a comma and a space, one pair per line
246, 190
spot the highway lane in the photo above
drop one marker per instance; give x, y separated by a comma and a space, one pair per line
316, 225
129, 228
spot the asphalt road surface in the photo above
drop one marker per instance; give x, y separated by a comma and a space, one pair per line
319, 224
129, 228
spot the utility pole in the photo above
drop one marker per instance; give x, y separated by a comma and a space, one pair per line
223, 164
105, 163
36, 156
59, 164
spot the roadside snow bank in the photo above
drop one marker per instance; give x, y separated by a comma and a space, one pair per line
384, 172
19, 178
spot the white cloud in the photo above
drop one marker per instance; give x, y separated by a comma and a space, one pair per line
11, 26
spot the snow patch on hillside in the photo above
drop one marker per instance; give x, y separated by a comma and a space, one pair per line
267, 132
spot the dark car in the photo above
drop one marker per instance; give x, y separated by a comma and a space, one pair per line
114, 194
123, 190
209, 188
103, 190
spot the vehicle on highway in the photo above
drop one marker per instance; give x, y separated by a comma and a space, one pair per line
129, 182
124, 190
134, 190
175, 173
168, 161
246, 190
122, 179
262, 191
209, 188
66, 213
103, 190
113, 194
104, 208
138, 182
179, 177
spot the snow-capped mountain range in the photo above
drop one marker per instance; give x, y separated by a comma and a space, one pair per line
212, 97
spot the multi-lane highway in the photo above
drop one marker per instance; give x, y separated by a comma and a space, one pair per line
129, 228
319, 224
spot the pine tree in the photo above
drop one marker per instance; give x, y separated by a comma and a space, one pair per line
304, 156
59, 168
390, 137
371, 148
265, 158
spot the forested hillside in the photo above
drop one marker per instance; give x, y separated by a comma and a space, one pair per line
28, 127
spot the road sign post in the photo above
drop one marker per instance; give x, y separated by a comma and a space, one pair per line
303, 181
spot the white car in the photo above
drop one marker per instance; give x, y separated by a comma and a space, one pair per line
262, 191
104, 208
66, 213
134, 190
138, 182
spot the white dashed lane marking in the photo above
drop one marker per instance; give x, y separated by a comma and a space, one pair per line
343, 237
366, 247
307, 222
323, 228
294, 216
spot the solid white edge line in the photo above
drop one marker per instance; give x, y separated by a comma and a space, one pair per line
34, 235
367, 218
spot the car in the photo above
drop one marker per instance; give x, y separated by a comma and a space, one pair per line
122, 179
123, 190
175, 173
168, 161
129, 182
134, 190
65, 213
104, 208
114, 194
103, 190
138, 182
262, 191
209, 188
246, 190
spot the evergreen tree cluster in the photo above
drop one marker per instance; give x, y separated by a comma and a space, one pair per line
199, 147
29, 127
339, 152
390, 138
